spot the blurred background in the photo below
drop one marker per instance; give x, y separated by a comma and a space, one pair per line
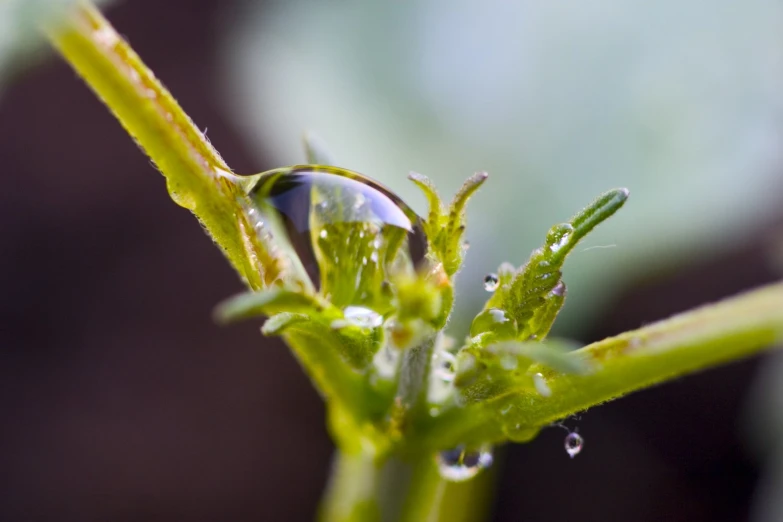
123, 401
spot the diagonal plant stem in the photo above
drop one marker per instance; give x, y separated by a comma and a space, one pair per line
695, 340
197, 177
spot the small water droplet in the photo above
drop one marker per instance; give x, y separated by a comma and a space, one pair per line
491, 282
559, 289
443, 365
362, 317
573, 444
460, 464
323, 234
542, 387
494, 320
558, 236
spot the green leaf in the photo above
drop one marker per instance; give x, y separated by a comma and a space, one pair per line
534, 295
266, 302
713, 334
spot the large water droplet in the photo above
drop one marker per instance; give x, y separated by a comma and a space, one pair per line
342, 222
573, 444
494, 320
460, 464
491, 282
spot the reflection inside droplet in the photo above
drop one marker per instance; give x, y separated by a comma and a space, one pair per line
338, 220
573, 444
460, 464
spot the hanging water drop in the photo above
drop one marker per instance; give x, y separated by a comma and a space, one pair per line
362, 317
460, 464
491, 282
559, 289
573, 444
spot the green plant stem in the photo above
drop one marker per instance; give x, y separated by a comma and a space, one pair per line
364, 490
351, 494
713, 334
197, 177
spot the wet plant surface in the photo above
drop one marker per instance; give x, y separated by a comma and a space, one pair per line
394, 303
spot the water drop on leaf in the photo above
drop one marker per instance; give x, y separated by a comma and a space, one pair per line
362, 317
494, 320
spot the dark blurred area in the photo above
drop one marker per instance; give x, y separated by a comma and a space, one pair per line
123, 401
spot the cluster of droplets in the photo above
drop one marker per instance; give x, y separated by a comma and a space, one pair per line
460, 464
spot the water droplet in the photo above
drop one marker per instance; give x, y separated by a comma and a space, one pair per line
558, 236
573, 444
362, 317
494, 320
542, 387
559, 289
460, 464
443, 365
316, 201
491, 282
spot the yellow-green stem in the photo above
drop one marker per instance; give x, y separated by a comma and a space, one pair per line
197, 177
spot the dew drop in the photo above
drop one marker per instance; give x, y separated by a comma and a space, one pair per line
494, 320
559, 289
542, 387
460, 464
558, 236
491, 282
573, 444
443, 366
362, 317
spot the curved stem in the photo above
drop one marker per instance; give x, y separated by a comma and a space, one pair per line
351, 492
197, 177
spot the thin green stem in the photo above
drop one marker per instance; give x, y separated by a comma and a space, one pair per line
197, 177
729, 330
351, 494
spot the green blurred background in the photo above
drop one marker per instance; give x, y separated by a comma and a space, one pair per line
124, 401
